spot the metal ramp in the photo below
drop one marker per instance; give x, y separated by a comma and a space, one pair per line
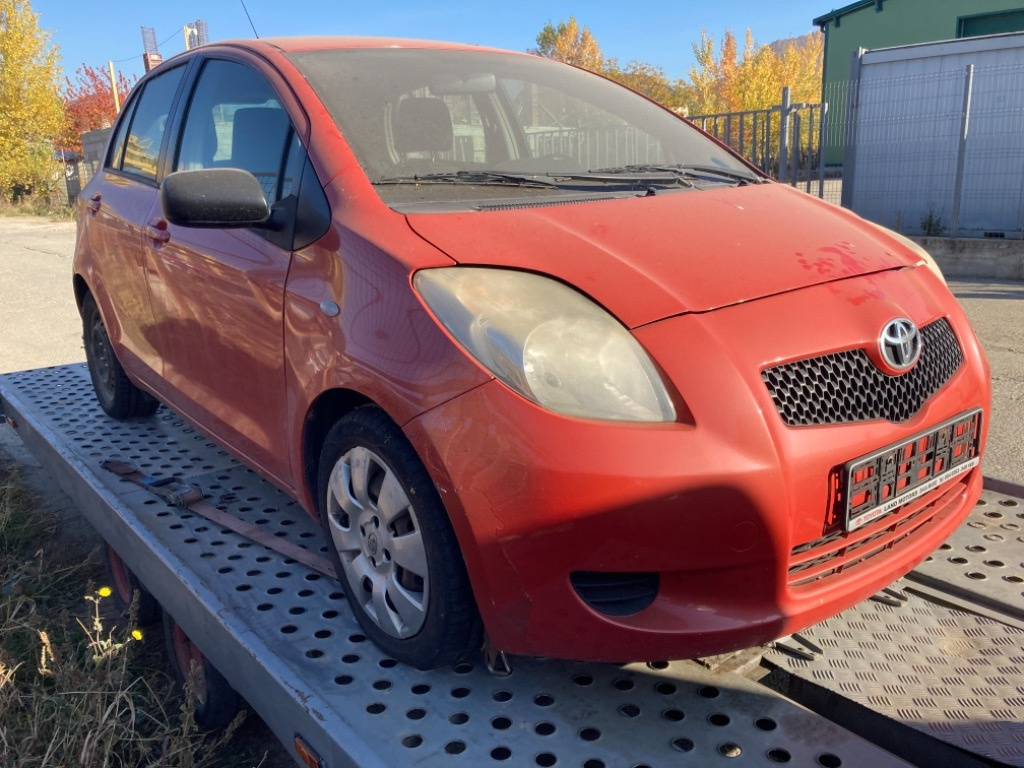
283, 635
942, 655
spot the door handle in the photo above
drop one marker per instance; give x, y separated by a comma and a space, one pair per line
94, 202
157, 232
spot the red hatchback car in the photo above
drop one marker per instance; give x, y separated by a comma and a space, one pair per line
549, 364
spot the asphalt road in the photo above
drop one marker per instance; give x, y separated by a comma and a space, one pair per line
39, 327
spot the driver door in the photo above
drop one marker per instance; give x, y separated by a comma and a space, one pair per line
218, 294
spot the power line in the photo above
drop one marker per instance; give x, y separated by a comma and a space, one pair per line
256, 34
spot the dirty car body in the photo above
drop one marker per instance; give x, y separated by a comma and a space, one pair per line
549, 364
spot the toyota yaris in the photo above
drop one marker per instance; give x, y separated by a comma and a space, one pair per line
552, 367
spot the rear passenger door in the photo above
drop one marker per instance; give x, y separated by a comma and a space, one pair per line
218, 294
114, 219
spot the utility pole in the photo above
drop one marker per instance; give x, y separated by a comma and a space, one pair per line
113, 88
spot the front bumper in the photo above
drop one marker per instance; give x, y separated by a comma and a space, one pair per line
725, 509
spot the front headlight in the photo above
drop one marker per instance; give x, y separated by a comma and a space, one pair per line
925, 258
548, 342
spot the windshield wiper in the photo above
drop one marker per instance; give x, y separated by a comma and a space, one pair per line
684, 170
468, 177
710, 170
641, 175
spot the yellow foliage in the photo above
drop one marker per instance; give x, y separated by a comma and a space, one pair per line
726, 83
31, 111
719, 81
646, 79
571, 43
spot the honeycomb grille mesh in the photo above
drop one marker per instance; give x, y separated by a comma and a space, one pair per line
846, 387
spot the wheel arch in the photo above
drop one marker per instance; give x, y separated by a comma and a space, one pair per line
324, 413
81, 289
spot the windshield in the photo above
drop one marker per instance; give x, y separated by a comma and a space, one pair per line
485, 122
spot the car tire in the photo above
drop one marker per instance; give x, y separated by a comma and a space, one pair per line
392, 544
215, 703
125, 586
117, 395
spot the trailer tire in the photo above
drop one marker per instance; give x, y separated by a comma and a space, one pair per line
215, 703
392, 544
126, 585
116, 393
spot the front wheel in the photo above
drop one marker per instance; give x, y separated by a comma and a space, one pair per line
392, 544
117, 395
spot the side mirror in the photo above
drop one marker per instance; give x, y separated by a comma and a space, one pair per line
213, 197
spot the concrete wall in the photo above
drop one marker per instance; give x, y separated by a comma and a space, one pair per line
990, 259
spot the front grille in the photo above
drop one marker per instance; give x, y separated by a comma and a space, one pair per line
816, 561
846, 387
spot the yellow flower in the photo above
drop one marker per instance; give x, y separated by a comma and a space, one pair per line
137, 634
105, 592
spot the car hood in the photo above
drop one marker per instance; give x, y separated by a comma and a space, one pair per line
648, 258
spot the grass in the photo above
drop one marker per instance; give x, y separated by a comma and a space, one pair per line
77, 686
48, 206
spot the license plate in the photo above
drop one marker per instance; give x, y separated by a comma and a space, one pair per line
887, 479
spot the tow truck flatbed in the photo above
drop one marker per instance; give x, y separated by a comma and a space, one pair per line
903, 675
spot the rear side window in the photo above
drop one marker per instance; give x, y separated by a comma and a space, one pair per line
235, 120
117, 145
141, 151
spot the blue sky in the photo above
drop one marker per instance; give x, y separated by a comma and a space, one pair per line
657, 32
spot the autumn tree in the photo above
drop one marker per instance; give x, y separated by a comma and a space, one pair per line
722, 78
724, 82
800, 64
89, 104
571, 43
31, 112
647, 79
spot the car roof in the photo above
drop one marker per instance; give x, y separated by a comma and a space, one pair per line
324, 42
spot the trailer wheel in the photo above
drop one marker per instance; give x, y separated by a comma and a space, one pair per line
117, 395
125, 586
393, 545
214, 701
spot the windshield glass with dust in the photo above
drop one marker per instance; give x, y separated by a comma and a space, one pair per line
436, 125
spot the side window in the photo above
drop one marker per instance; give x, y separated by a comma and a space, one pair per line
116, 150
234, 120
142, 147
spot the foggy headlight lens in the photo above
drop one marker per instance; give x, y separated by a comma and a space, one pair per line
548, 342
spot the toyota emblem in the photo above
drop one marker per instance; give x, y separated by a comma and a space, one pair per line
900, 344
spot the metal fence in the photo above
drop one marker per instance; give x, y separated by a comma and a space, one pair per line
784, 141
606, 147
937, 152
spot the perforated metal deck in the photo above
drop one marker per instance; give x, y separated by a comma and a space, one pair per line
950, 666
284, 637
